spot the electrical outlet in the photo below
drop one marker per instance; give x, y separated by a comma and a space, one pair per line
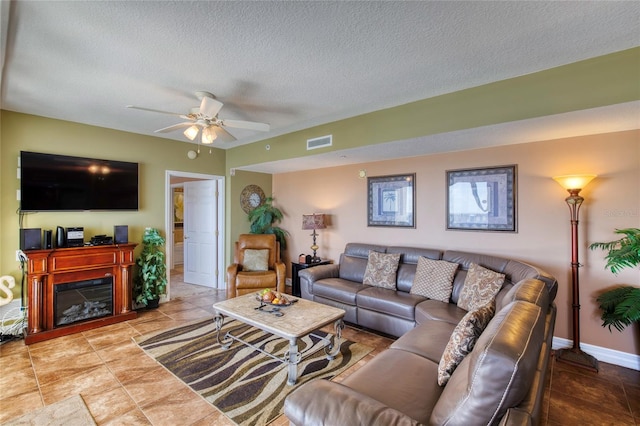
20, 256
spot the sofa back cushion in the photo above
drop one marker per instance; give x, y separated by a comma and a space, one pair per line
498, 372
530, 290
408, 262
353, 262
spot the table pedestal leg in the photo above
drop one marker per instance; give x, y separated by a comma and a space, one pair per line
333, 348
293, 357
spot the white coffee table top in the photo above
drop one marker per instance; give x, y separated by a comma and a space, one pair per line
299, 319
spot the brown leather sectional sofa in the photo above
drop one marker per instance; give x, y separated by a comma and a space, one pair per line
500, 382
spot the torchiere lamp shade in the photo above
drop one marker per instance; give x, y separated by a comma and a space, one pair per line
578, 182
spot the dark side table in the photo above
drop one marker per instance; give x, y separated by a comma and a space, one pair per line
295, 279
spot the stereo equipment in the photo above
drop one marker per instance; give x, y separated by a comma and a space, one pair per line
31, 239
101, 240
121, 234
48, 239
61, 237
75, 237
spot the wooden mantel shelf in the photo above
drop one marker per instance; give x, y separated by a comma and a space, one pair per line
48, 268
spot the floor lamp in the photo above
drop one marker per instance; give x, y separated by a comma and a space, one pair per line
574, 355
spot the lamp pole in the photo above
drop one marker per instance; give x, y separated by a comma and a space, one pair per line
575, 355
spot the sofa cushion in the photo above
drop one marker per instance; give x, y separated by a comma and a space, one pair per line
434, 310
389, 302
427, 340
480, 287
400, 380
463, 339
498, 372
337, 289
255, 260
381, 270
434, 279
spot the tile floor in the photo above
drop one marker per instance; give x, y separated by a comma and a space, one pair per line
121, 385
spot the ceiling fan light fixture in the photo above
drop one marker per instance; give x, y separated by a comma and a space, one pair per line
208, 135
191, 132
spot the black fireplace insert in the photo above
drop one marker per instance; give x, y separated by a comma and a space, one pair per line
83, 300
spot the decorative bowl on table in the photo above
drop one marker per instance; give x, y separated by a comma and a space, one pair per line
272, 298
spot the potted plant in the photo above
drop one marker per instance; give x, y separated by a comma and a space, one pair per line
151, 279
264, 217
621, 305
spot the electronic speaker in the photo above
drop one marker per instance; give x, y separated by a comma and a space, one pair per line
47, 237
61, 237
30, 239
121, 234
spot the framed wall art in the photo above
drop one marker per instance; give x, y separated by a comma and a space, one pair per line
482, 199
391, 201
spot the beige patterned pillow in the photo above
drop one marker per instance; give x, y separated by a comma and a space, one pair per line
434, 279
255, 260
480, 286
381, 270
463, 339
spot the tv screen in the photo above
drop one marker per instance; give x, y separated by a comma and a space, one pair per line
50, 182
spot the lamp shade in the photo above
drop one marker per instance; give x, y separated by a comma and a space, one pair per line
574, 181
313, 221
208, 135
191, 132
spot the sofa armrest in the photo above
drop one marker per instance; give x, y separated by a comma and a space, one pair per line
516, 417
232, 272
321, 402
281, 276
311, 275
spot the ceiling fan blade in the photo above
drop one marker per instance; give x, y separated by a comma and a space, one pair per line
250, 125
224, 136
174, 127
209, 107
157, 110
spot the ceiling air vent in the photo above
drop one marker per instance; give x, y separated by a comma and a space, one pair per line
320, 142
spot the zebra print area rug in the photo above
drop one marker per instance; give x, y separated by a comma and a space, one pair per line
247, 386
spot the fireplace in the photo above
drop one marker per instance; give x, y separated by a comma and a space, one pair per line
83, 300
71, 290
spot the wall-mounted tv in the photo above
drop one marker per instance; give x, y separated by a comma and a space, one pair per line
50, 182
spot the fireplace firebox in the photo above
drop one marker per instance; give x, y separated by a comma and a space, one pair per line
83, 300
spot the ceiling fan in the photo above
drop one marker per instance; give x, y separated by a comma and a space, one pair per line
204, 119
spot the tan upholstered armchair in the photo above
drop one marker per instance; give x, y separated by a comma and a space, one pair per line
256, 265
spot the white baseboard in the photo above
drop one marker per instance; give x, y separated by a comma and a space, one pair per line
610, 356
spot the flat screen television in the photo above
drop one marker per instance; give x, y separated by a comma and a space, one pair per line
50, 182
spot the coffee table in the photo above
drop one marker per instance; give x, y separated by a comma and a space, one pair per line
292, 322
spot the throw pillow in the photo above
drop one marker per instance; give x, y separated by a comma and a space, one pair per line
381, 270
434, 279
480, 286
463, 339
255, 260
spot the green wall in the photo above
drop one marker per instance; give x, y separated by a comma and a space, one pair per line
21, 132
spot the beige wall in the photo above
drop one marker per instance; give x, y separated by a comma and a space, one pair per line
21, 132
543, 238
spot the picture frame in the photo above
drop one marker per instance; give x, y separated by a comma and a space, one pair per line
391, 200
482, 199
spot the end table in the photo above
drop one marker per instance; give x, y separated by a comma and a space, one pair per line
295, 279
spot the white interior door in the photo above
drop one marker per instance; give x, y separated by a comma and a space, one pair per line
200, 233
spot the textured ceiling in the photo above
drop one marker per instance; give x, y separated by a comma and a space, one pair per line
289, 64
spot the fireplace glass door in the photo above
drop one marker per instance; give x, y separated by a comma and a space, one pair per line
83, 300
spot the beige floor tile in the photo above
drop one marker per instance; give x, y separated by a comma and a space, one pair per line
147, 388
93, 381
130, 368
109, 406
19, 404
48, 372
134, 417
104, 337
181, 406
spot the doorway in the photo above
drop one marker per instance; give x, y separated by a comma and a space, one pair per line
212, 199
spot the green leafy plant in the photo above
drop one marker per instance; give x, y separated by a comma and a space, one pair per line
621, 306
264, 217
151, 279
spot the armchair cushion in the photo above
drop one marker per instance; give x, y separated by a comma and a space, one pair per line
255, 260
